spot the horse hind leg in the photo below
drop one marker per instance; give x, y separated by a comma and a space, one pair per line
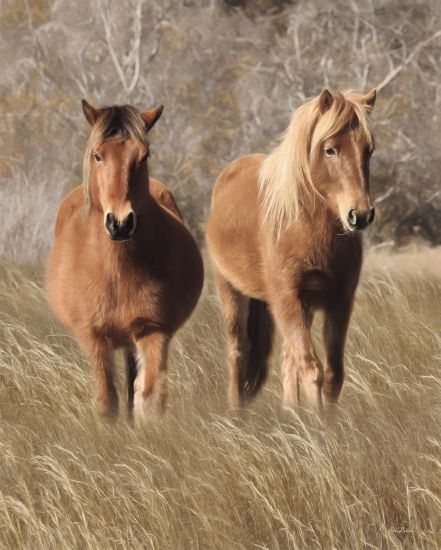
260, 329
131, 372
249, 335
235, 311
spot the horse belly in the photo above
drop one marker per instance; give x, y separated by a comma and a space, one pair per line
233, 228
242, 269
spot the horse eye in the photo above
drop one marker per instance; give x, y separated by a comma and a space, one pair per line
370, 152
330, 152
98, 158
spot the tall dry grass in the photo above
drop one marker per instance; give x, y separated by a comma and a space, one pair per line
367, 475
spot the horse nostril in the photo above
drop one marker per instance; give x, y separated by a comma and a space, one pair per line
352, 217
129, 222
370, 216
361, 219
111, 223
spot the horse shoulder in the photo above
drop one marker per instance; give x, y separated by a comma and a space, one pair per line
164, 197
70, 205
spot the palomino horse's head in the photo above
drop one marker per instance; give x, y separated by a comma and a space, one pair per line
323, 156
342, 147
115, 165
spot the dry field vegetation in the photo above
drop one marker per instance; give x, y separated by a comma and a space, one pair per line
366, 475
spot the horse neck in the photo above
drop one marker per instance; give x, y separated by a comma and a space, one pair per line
320, 230
317, 215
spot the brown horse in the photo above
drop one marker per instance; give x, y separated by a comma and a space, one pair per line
124, 270
282, 233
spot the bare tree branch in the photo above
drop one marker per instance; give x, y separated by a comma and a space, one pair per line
113, 55
406, 62
136, 44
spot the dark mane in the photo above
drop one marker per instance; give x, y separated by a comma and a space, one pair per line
122, 120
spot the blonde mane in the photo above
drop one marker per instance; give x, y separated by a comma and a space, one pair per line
285, 174
123, 120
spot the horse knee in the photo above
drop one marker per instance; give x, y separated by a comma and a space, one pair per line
311, 377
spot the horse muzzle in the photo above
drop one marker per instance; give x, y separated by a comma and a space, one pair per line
120, 230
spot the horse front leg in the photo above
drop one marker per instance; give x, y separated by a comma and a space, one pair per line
100, 355
150, 386
302, 370
334, 335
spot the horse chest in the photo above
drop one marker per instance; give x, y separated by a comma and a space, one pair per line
122, 302
332, 276
315, 286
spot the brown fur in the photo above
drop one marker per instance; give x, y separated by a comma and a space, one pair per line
294, 260
133, 294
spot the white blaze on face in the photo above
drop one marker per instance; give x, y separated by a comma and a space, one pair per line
343, 210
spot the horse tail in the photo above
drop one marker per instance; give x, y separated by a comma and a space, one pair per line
260, 330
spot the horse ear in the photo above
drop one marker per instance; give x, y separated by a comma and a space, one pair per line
370, 98
90, 112
152, 116
325, 100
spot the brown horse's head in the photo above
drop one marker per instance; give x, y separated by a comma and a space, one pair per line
115, 165
341, 150
324, 154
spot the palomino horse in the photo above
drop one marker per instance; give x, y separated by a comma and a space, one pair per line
282, 233
124, 270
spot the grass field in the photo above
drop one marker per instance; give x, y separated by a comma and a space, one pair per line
366, 475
